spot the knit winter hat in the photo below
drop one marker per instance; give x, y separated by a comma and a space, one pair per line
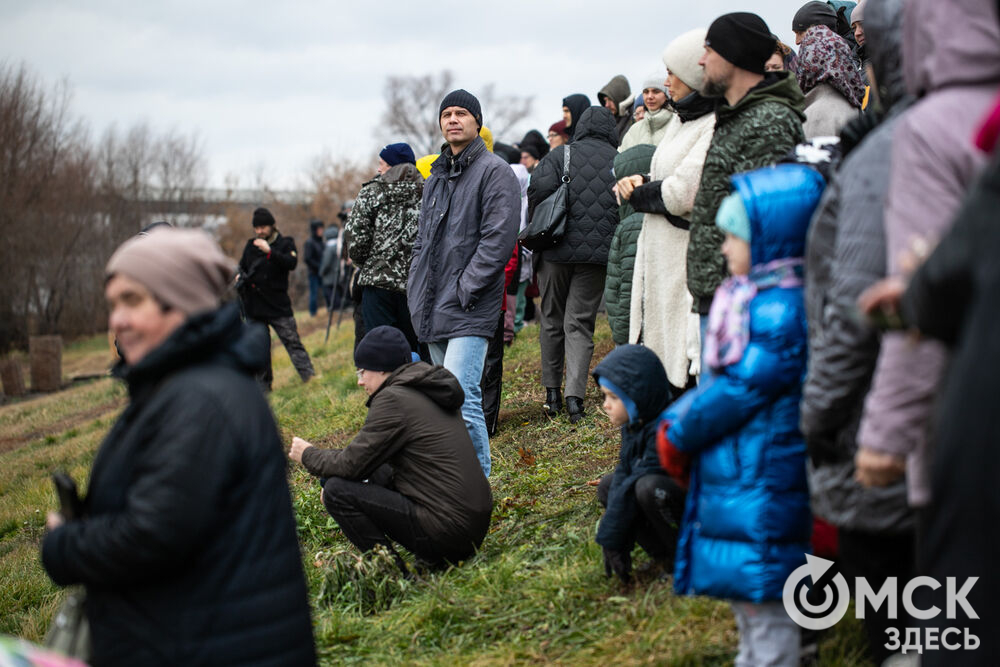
732, 217
743, 39
394, 154
654, 80
682, 55
814, 13
183, 268
384, 349
263, 218
858, 13
466, 100
559, 128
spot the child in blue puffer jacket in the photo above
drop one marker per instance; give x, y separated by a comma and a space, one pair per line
747, 523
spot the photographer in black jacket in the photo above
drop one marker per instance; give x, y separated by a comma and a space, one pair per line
263, 287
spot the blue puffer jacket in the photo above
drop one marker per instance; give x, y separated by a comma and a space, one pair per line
638, 376
747, 523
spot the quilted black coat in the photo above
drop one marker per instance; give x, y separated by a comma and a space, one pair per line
593, 212
187, 546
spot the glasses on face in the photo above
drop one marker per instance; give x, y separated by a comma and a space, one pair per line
360, 373
553, 135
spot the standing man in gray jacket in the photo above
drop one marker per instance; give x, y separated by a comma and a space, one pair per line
469, 218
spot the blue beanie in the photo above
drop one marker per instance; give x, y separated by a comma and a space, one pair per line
394, 154
732, 217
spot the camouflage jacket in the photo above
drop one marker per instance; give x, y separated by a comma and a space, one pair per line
757, 131
383, 224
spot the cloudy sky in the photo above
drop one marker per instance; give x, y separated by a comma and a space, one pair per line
270, 86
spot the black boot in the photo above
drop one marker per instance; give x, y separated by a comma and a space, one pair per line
574, 408
553, 401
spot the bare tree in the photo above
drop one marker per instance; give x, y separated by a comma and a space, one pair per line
412, 103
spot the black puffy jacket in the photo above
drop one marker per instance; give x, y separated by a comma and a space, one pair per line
187, 547
593, 212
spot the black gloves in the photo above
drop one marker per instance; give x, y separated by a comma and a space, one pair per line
619, 563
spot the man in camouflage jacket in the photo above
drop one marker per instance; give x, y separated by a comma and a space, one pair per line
382, 226
758, 120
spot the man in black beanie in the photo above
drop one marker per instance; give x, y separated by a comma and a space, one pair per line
758, 119
410, 476
262, 284
469, 218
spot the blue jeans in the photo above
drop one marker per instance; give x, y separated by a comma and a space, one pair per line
315, 292
465, 357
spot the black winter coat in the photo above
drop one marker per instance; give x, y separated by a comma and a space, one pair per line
313, 249
187, 547
263, 283
469, 218
593, 212
638, 373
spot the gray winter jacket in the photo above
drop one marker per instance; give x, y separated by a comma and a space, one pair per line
469, 218
593, 212
846, 254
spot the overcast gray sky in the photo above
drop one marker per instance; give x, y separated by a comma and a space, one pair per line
277, 84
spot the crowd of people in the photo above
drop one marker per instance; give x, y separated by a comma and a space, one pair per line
794, 252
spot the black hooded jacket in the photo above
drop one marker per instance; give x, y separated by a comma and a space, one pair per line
593, 211
187, 546
577, 104
638, 373
313, 248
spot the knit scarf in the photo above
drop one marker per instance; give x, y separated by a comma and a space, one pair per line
692, 106
728, 330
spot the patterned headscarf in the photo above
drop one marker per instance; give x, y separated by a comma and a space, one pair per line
825, 57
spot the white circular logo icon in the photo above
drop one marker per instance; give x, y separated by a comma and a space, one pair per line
836, 595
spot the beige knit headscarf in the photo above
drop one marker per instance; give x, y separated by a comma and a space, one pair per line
183, 268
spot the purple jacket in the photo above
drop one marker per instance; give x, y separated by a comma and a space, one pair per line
951, 56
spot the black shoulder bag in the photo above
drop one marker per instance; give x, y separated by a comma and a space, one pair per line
548, 223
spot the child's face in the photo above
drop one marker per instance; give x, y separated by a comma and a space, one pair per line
737, 253
614, 408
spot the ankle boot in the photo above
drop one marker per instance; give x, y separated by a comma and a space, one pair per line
553, 401
574, 408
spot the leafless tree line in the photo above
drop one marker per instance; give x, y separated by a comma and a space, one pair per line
67, 200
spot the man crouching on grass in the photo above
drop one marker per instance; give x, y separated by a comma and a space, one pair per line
410, 475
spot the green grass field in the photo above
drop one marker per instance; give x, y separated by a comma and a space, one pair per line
535, 593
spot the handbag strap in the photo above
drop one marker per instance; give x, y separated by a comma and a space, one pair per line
565, 176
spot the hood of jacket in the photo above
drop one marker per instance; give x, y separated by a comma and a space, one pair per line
637, 371
597, 123
577, 104
435, 382
883, 46
779, 87
331, 232
950, 44
217, 335
313, 226
780, 202
403, 173
617, 89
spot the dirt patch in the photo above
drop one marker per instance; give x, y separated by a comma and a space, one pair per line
8, 444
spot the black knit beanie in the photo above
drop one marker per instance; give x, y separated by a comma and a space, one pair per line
743, 39
814, 13
263, 218
384, 348
466, 100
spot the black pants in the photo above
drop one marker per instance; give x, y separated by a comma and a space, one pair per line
288, 333
876, 557
372, 513
492, 382
661, 507
384, 307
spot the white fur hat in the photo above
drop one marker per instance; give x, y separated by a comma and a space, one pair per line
682, 55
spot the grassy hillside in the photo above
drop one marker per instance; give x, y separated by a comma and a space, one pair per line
535, 593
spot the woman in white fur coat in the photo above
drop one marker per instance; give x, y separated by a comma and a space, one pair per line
660, 316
